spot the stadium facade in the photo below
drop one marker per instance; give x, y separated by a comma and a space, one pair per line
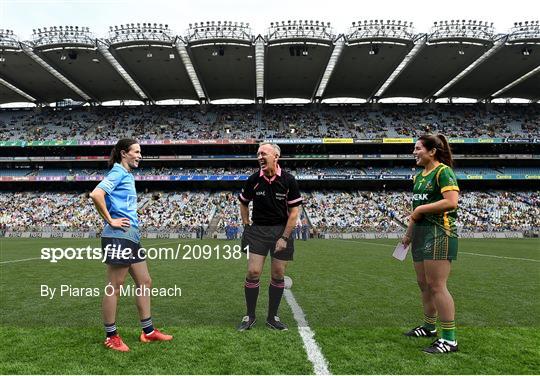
374, 59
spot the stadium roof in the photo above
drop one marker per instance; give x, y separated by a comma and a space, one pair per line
295, 59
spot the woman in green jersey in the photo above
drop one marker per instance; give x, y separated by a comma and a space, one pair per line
433, 237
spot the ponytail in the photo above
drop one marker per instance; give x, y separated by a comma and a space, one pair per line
445, 155
438, 142
122, 145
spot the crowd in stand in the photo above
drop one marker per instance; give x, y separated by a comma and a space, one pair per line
325, 211
297, 171
347, 212
269, 121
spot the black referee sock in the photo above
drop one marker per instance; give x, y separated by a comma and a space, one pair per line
251, 290
275, 292
147, 325
110, 329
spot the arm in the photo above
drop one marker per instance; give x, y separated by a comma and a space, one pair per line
244, 213
98, 196
281, 244
407, 238
448, 203
245, 197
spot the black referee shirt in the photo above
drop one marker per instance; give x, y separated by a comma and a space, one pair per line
271, 197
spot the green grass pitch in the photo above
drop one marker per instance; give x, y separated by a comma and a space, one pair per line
357, 299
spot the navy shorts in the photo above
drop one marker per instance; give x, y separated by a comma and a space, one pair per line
262, 240
121, 251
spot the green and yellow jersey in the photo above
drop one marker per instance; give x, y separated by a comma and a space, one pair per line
428, 189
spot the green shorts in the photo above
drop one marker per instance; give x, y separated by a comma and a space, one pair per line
430, 242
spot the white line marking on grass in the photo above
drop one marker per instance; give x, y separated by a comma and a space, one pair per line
20, 260
501, 257
459, 252
313, 351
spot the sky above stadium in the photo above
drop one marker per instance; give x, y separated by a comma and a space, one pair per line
24, 15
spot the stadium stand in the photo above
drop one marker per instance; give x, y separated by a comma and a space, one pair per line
320, 171
327, 211
241, 122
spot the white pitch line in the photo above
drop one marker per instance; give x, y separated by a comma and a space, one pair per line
20, 260
459, 252
501, 257
313, 351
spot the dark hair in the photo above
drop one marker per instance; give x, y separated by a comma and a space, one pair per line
440, 144
122, 145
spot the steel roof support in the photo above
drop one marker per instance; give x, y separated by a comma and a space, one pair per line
515, 82
182, 51
28, 51
418, 45
259, 68
104, 50
17, 90
336, 53
496, 46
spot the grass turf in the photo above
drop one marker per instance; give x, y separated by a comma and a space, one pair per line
357, 299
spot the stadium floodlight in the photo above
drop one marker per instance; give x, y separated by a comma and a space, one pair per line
461, 29
524, 31
380, 28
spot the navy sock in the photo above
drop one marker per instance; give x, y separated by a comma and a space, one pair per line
275, 292
147, 325
110, 329
251, 291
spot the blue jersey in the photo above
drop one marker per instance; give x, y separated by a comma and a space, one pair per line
121, 198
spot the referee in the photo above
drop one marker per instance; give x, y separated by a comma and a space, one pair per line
276, 205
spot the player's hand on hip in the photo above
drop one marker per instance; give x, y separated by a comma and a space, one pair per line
121, 223
281, 244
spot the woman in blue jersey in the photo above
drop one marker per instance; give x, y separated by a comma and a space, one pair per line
115, 199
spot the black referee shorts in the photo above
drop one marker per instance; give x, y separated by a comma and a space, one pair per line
262, 239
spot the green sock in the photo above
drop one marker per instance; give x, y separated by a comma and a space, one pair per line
429, 322
449, 330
